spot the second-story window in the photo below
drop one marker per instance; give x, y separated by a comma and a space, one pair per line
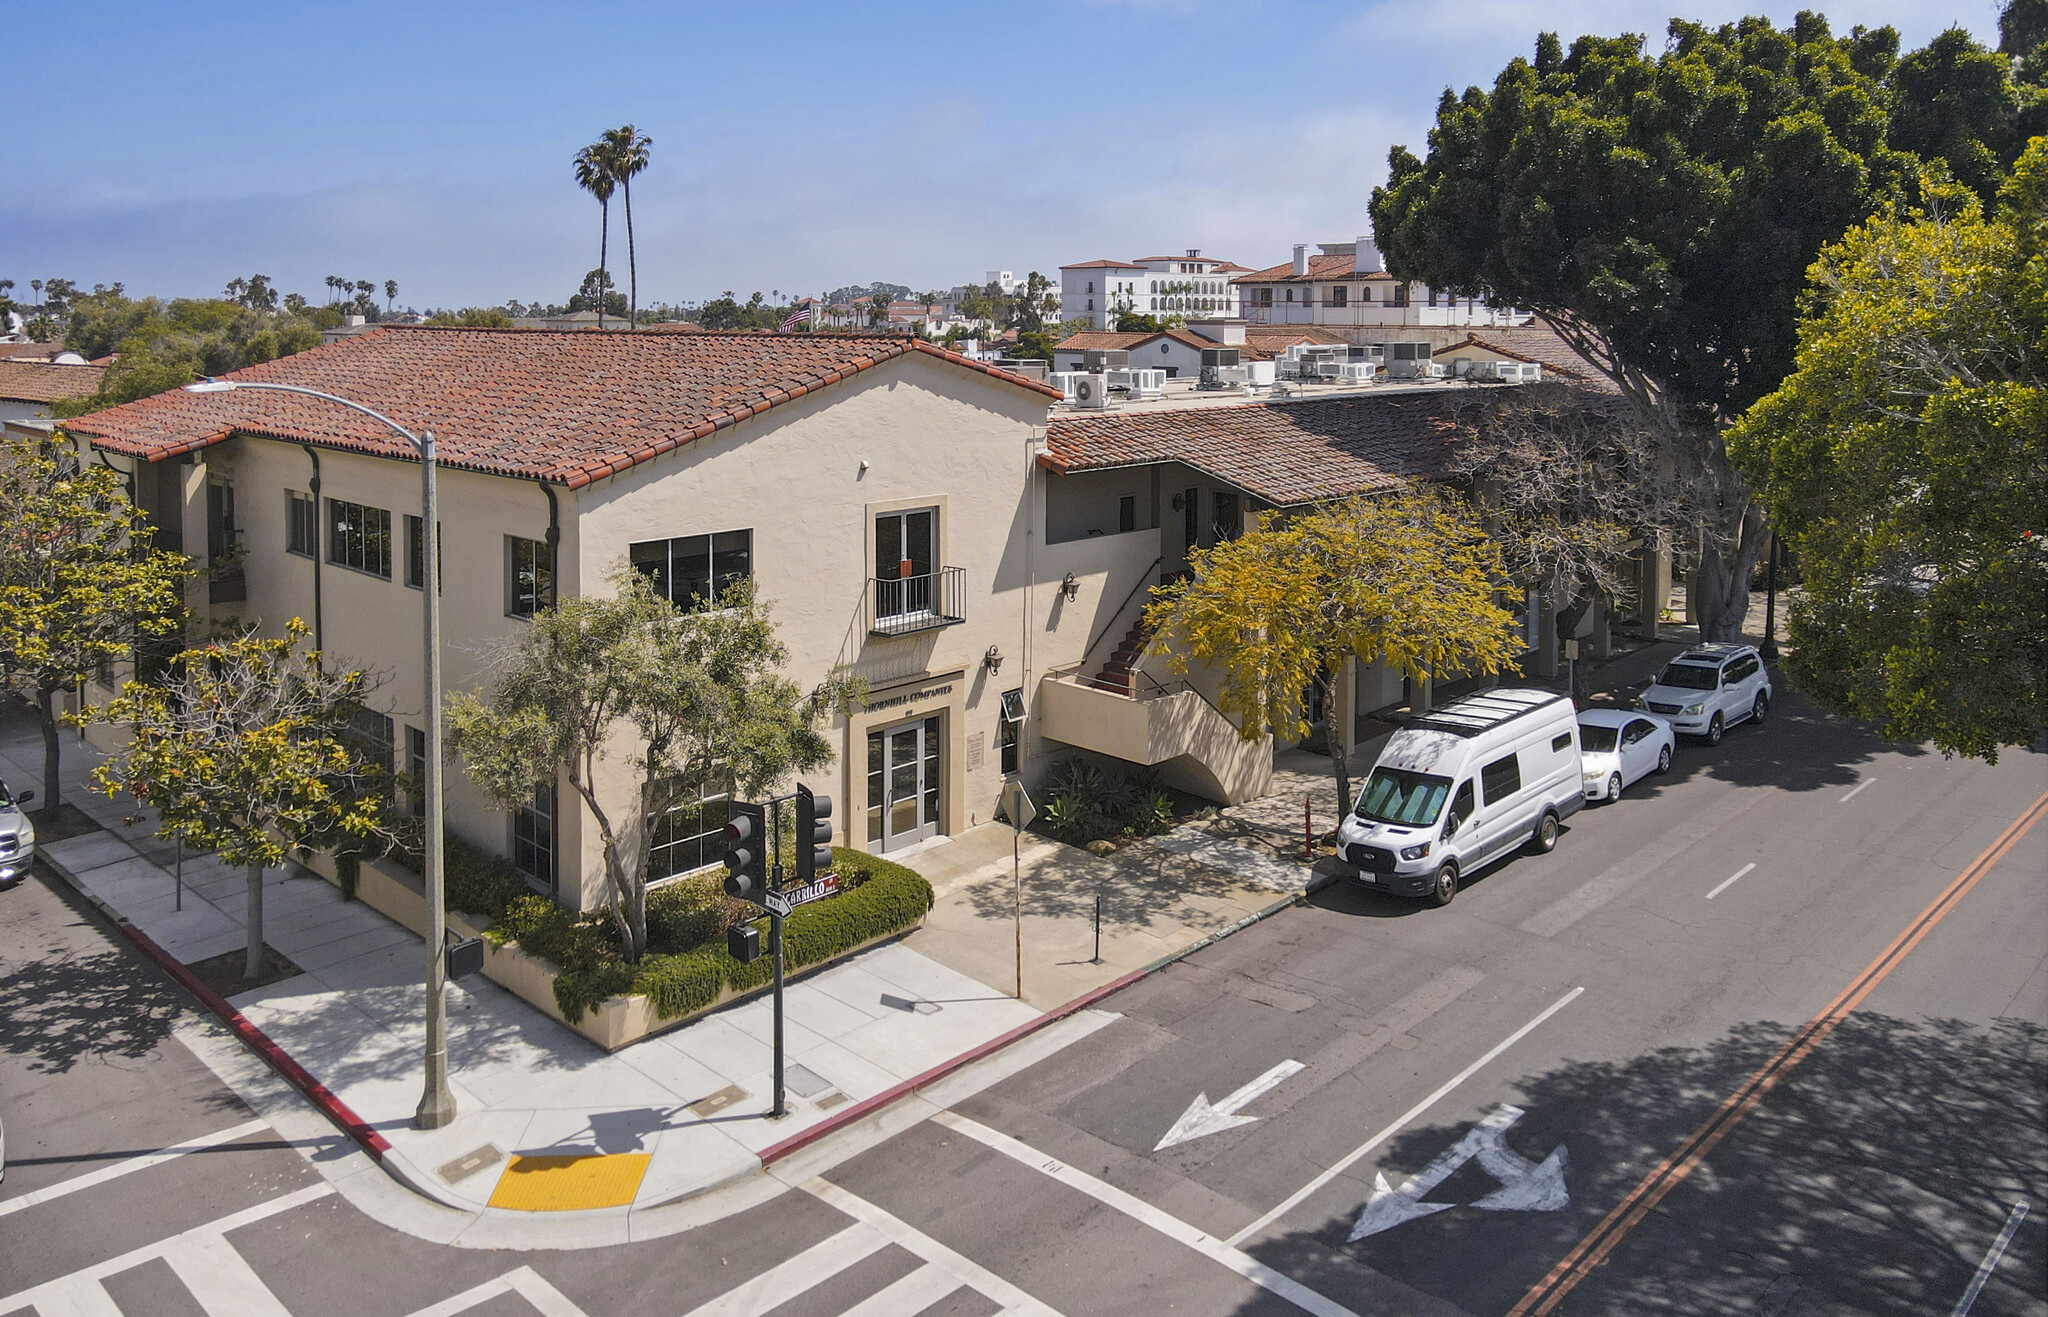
359, 537
529, 580
905, 560
301, 523
1339, 295
416, 555
691, 571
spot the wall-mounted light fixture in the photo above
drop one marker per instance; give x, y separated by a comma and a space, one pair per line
1179, 501
1070, 587
993, 660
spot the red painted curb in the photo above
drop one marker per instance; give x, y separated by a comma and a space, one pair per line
260, 1043
868, 1106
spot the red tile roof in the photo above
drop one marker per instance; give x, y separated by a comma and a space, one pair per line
1319, 268
1102, 265
1538, 343
1089, 340
569, 407
43, 381
1286, 453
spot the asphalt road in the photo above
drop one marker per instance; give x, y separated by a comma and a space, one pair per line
1478, 1093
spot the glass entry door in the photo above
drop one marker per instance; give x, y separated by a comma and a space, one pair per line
903, 785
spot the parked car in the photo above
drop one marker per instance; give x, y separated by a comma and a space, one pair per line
1461, 787
17, 836
1618, 747
1710, 688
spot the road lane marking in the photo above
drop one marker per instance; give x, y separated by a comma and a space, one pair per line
1859, 787
1617, 878
135, 1257
904, 1235
133, 1164
791, 1277
913, 1293
1203, 1118
1245, 1265
1730, 882
85, 1298
1990, 1262
523, 1281
1294, 1199
221, 1280
1525, 1186
1591, 1251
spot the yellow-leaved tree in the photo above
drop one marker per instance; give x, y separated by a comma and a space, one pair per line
1407, 577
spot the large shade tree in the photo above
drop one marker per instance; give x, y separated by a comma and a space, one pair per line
80, 584
245, 749
1907, 457
1660, 212
1406, 577
680, 699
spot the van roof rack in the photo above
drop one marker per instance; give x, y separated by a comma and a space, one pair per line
1470, 715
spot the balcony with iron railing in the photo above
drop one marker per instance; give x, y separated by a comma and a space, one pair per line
904, 605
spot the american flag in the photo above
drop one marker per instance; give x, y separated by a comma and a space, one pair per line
801, 317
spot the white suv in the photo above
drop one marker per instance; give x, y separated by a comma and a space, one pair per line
1710, 688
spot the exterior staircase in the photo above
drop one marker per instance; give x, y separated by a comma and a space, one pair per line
1118, 673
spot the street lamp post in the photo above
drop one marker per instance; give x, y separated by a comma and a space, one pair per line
437, 1102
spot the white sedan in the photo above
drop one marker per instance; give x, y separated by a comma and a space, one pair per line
1620, 746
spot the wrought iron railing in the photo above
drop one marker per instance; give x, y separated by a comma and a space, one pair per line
905, 604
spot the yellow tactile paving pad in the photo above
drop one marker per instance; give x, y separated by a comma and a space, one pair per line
570, 1184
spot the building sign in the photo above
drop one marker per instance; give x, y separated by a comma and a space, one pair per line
975, 744
897, 700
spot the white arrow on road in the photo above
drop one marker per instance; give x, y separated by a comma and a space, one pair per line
1202, 1118
1525, 1186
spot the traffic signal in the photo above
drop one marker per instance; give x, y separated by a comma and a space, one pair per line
813, 834
746, 853
743, 942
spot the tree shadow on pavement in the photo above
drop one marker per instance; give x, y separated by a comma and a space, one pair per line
1872, 1179
65, 1007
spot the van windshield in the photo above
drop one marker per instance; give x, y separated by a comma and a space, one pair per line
1690, 676
1395, 795
1595, 739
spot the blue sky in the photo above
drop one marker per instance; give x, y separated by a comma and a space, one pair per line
796, 147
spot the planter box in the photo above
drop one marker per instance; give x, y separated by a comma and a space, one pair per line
614, 1023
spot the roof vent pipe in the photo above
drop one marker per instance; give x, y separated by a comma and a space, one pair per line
1300, 260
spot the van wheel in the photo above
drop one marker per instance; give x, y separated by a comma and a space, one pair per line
1614, 788
1762, 707
1715, 729
1545, 840
1664, 760
1445, 888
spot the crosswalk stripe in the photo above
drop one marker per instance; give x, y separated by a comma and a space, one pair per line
224, 1284
905, 1235
783, 1282
84, 1298
133, 1164
523, 1281
135, 1257
913, 1293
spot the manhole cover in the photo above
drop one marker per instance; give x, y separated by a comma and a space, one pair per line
804, 1081
719, 1101
469, 1163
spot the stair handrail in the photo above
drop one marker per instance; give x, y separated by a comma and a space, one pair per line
1088, 651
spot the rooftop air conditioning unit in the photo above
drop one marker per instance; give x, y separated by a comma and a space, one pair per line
1139, 383
1063, 380
1091, 392
1219, 356
1097, 360
1408, 351
1031, 368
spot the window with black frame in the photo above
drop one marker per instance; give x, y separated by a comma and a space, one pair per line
529, 577
301, 523
1010, 731
686, 830
359, 537
369, 734
533, 836
691, 571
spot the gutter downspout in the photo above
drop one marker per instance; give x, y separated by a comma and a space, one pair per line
554, 543
319, 628
127, 476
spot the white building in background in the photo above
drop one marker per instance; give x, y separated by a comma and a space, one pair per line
1346, 286
1189, 285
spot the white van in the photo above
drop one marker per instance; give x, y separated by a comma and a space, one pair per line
1461, 787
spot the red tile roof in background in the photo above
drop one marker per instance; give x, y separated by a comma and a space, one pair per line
1102, 265
1539, 343
44, 381
569, 407
1286, 453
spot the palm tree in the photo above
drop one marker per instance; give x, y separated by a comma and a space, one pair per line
390, 294
627, 148
594, 175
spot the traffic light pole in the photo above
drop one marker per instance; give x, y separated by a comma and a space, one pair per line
748, 878
775, 949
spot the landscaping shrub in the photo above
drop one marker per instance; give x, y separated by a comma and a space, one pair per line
478, 882
690, 912
677, 985
1084, 805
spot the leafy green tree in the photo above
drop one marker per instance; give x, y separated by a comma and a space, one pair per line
1907, 458
164, 345
473, 317
1660, 213
594, 175
626, 151
79, 582
597, 294
878, 310
1407, 577
253, 292
245, 752
683, 698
